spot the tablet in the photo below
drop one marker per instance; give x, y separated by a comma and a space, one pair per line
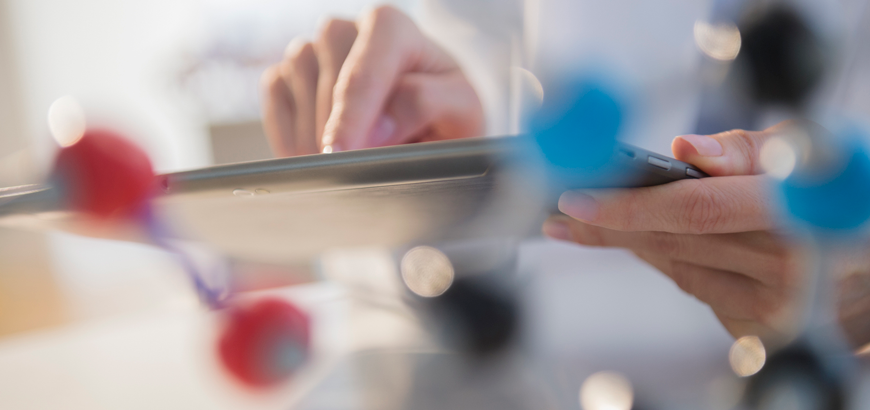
286, 211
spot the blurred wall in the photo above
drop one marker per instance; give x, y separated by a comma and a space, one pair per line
124, 60
13, 137
118, 58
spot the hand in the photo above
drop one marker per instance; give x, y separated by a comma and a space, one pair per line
375, 82
714, 237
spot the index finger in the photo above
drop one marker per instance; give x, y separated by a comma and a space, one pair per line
697, 206
388, 45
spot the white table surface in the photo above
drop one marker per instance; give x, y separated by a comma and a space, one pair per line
587, 310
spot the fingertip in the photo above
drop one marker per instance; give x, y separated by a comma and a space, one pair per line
331, 148
579, 205
270, 78
682, 149
295, 47
556, 228
699, 145
340, 129
702, 151
332, 29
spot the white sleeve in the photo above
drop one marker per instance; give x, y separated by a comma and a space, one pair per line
852, 96
481, 35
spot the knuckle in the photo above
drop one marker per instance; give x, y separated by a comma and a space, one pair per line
588, 235
665, 243
300, 63
412, 93
742, 135
766, 308
409, 87
631, 217
356, 80
411, 101
769, 307
271, 80
788, 269
385, 14
301, 56
336, 29
789, 123
758, 311
748, 147
295, 48
783, 264
702, 211
683, 276
385, 22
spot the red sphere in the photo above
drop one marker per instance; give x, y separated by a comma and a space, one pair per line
105, 175
264, 343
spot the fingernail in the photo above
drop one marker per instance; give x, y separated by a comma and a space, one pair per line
579, 205
704, 145
330, 148
382, 131
557, 230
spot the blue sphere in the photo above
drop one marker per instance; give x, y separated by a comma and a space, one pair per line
576, 134
839, 202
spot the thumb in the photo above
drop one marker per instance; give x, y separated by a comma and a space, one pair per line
426, 107
734, 152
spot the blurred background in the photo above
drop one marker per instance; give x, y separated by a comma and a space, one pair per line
100, 324
182, 74
179, 77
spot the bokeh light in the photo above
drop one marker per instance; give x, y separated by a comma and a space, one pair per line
427, 271
606, 391
778, 158
720, 41
747, 356
66, 121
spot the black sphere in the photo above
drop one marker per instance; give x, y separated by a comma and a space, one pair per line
796, 368
475, 316
783, 58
